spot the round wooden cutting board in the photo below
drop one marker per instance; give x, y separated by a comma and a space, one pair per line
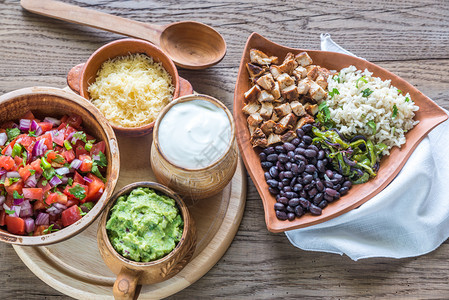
75, 267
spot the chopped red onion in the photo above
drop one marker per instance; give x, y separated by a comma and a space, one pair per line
18, 201
55, 181
34, 125
29, 225
3, 172
39, 148
39, 131
42, 219
17, 209
27, 210
13, 174
62, 171
8, 150
96, 157
76, 163
64, 180
87, 179
3, 138
31, 181
6, 207
2, 200
53, 210
24, 124
3, 178
54, 121
59, 206
70, 135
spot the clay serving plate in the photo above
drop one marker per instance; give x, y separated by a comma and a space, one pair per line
429, 116
43, 101
83, 75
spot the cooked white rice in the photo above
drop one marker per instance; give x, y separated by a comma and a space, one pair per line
352, 112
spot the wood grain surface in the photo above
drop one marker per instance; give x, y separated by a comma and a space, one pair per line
409, 38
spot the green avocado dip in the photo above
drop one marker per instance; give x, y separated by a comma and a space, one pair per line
144, 225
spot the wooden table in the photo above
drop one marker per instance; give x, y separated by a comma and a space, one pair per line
410, 38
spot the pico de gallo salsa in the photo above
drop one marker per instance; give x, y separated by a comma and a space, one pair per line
51, 173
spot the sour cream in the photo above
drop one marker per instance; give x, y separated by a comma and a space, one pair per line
194, 134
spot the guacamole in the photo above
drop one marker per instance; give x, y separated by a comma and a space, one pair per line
144, 225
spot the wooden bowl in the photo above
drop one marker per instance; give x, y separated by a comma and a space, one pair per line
83, 75
194, 183
131, 273
44, 101
429, 116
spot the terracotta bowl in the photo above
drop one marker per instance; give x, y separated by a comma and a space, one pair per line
194, 183
43, 101
83, 75
130, 273
429, 116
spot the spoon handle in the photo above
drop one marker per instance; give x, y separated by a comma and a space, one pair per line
92, 18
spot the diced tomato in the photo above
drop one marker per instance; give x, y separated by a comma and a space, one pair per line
56, 197
68, 193
72, 202
39, 230
70, 215
9, 200
62, 125
59, 137
32, 193
45, 188
68, 155
78, 178
16, 186
52, 156
39, 205
48, 140
80, 150
28, 115
68, 131
86, 165
2, 218
75, 121
15, 225
6, 149
94, 188
36, 165
18, 161
25, 172
7, 162
26, 140
46, 126
96, 148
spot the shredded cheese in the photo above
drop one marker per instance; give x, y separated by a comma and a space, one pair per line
131, 90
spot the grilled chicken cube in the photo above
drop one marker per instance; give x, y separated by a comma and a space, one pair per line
252, 129
273, 139
285, 81
254, 71
303, 59
274, 117
258, 137
265, 97
288, 136
324, 72
260, 58
317, 92
283, 109
300, 72
289, 64
312, 72
311, 109
307, 119
276, 91
251, 108
290, 93
321, 81
288, 121
279, 128
268, 127
252, 94
267, 110
275, 71
261, 142
297, 108
303, 86
254, 119
266, 81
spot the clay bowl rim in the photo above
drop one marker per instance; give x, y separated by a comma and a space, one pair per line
187, 98
429, 114
185, 214
125, 43
89, 218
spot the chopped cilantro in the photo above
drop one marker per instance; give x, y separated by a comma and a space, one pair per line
32, 133
49, 173
82, 213
59, 159
372, 125
102, 162
407, 99
78, 192
366, 92
80, 136
32, 172
395, 111
70, 181
334, 92
363, 79
24, 158
50, 229
44, 182
16, 195
12, 133
399, 91
336, 78
16, 150
13, 179
10, 212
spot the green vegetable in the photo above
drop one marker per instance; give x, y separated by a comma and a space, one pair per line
67, 145
102, 162
334, 92
395, 111
45, 164
407, 99
366, 92
12, 133
399, 91
88, 146
32, 133
363, 79
88, 205
16, 150
10, 212
13, 179
336, 78
49, 173
50, 229
78, 192
16, 195
70, 181
82, 213
58, 159
80, 136
372, 125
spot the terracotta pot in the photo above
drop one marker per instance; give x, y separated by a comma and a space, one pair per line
83, 75
194, 183
44, 101
130, 273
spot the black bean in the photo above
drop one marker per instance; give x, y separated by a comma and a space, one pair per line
279, 206
299, 211
283, 158
295, 169
288, 174
269, 150
286, 181
266, 165
279, 149
274, 172
347, 184
337, 187
272, 157
287, 188
328, 184
320, 186
295, 141
304, 203
312, 192
313, 147
313, 160
334, 181
289, 146
281, 193
303, 194
293, 202
297, 188
322, 204
290, 209
299, 150
321, 154
267, 176
330, 192
307, 153
281, 186
272, 190
291, 154
306, 128
300, 180
318, 198
309, 186
291, 195
283, 200
338, 177
337, 196
307, 179
328, 198
321, 166
307, 140
299, 158
315, 210
325, 161
293, 182
329, 174
310, 169
281, 215
302, 145
273, 183
262, 156
301, 167
344, 190
291, 216
280, 166
288, 166
299, 132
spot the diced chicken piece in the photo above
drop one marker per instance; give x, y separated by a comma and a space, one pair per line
254, 119
317, 92
273, 139
307, 119
289, 64
283, 109
254, 71
251, 108
311, 109
258, 135
297, 108
268, 127
312, 72
303, 59
267, 110
260, 58
321, 81
252, 94
325, 72
303, 86
300, 72
252, 129
284, 81
290, 93
266, 82
262, 142
274, 117
288, 121
276, 91
279, 128
288, 136
275, 71
265, 97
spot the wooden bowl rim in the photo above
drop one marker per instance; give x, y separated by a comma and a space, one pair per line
89, 218
125, 43
185, 214
187, 98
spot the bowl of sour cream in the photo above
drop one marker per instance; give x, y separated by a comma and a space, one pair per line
194, 150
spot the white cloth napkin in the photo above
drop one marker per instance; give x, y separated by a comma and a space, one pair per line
410, 217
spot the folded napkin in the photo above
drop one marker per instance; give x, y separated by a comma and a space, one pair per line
410, 217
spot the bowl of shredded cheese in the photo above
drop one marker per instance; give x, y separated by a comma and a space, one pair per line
130, 81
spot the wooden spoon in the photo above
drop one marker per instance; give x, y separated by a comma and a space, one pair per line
189, 44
